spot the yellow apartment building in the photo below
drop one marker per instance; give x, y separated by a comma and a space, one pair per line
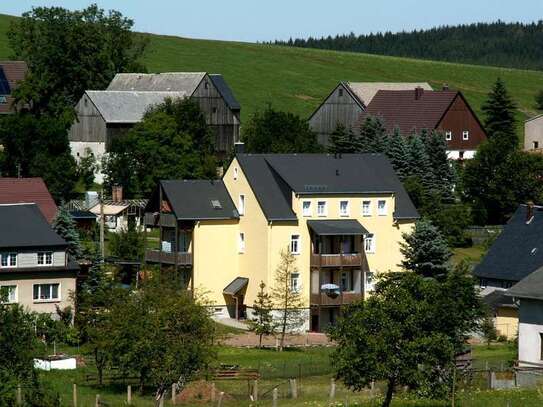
341, 216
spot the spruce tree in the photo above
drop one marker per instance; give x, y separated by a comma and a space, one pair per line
338, 140
373, 136
425, 250
419, 163
398, 153
443, 174
500, 122
65, 227
262, 323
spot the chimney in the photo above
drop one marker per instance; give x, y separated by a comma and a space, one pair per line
239, 147
117, 193
529, 211
418, 92
445, 86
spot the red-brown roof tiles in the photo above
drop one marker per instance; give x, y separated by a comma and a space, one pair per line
28, 190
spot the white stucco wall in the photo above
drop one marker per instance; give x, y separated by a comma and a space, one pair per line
98, 149
530, 328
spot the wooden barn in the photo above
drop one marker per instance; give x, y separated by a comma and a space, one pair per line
104, 115
346, 102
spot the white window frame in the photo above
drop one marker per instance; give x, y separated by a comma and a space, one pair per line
368, 212
309, 211
51, 298
448, 135
369, 281
45, 256
465, 135
346, 211
382, 211
324, 212
295, 242
9, 256
349, 287
241, 242
15, 290
241, 204
295, 282
369, 243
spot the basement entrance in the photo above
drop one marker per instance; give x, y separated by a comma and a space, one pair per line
234, 294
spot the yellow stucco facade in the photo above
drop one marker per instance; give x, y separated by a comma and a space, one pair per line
507, 322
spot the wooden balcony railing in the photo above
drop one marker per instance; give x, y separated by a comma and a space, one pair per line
174, 258
336, 260
155, 219
342, 299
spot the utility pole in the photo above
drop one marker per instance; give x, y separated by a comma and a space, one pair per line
102, 248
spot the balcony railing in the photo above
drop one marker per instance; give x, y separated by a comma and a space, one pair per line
156, 219
343, 298
336, 260
174, 258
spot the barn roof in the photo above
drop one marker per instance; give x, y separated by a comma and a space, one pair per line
28, 190
401, 109
365, 91
160, 82
127, 106
11, 73
225, 91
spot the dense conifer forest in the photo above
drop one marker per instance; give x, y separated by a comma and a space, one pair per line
514, 45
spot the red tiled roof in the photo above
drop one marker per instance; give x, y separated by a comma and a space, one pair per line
28, 190
400, 108
15, 72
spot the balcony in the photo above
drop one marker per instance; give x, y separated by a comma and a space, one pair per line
343, 298
173, 258
156, 219
336, 260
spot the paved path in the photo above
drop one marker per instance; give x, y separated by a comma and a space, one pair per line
233, 323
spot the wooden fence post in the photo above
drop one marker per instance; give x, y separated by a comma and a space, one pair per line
221, 395
213, 391
255, 390
293, 388
274, 397
332, 388
129, 394
174, 395
97, 401
19, 395
75, 394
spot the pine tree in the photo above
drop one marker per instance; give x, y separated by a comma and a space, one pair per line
500, 122
443, 173
263, 323
373, 136
338, 140
398, 153
287, 298
425, 250
65, 227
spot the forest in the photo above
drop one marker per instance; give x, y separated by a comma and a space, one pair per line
512, 45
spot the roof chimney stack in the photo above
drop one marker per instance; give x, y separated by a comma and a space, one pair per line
239, 147
117, 193
529, 211
445, 86
418, 92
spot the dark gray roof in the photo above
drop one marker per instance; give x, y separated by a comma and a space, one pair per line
193, 199
518, 250
23, 225
225, 91
529, 287
273, 177
498, 298
238, 284
82, 214
337, 227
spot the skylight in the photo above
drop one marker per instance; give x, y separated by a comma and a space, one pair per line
216, 204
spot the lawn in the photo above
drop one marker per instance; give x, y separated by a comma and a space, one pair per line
297, 79
472, 255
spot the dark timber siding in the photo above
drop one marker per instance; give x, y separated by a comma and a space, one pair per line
335, 109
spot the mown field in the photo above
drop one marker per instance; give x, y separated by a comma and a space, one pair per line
297, 79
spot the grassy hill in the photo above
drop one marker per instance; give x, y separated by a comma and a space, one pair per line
296, 79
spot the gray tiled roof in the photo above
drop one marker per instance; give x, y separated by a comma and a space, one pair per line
225, 91
273, 177
529, 287
23, 225
518, 250
193, 199
166, 82
127, 106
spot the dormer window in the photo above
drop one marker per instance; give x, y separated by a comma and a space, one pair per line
45, 258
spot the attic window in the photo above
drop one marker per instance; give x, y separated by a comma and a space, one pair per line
206, 85
340, 92
216, 204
